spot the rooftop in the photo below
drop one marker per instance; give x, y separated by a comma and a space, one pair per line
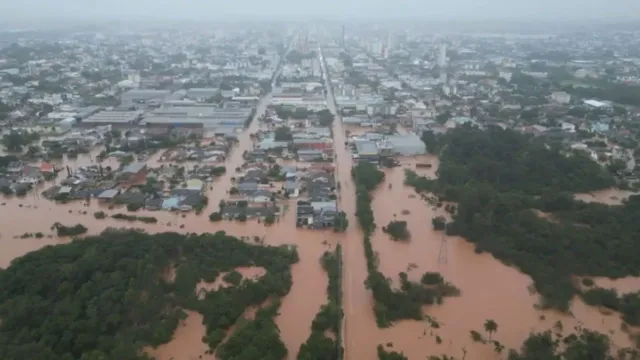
366, 148
114, 117
146, 93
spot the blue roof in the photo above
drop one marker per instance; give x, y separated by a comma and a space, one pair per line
170, 203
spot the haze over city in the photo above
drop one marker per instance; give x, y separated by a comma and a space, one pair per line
196, 10
337, 180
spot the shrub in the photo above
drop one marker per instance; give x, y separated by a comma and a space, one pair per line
133, 207
397, 230
233, 277
215, 216
432, 278
63, 230
439, 223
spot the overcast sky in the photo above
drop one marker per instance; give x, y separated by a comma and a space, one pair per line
322, 9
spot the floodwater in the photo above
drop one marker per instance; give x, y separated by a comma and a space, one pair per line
623, 285
186, 343
490, 290
248, 273
606, 196
33, 213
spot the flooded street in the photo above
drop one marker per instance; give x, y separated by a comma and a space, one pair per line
32, 214
490, 289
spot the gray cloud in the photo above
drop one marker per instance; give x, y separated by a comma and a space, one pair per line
326, 9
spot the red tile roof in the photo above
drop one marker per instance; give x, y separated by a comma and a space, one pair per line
47, 167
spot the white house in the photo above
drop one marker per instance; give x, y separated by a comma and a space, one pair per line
560, 97
568, 127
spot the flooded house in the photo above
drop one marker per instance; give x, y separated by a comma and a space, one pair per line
309, 155
319, 208
133, 173
316, 214
244, 212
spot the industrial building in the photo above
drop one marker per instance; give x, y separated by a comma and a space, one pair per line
202, 93
367, 151
207, 117
117, 119
405, 145
133, 97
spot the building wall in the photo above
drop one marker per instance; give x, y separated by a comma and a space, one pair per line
315, 146
409, 150
114, 125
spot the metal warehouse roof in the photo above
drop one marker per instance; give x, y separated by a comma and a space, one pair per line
114, 117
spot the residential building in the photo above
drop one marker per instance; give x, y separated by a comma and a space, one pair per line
560, 97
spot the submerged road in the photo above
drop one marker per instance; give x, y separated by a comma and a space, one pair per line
357, 301
223, 183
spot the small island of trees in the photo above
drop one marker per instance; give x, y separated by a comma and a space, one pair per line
390, 304
319, 346
397, 230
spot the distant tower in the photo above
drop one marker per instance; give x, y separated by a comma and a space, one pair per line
342, 43
32, 68
388, 41
442, 56
306, 41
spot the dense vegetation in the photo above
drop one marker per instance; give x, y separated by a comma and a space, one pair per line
390, 305
397, 230
15, 141
389, 355
131, 218
106, 297
258, 339
509, 162
318, 346
63, 230
548, 346
498, 177
627, 304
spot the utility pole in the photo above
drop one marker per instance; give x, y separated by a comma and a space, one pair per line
442, 254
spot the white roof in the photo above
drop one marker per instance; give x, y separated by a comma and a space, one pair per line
596, 103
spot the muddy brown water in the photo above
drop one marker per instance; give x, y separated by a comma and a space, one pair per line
33, 213
606, 196
186, 343
247, 272
489, 288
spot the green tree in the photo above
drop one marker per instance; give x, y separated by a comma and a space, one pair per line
443, 118
475, 336
490, 326
15, 141
341, 222
283, 133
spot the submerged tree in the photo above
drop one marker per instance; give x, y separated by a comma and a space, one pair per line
490, 326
